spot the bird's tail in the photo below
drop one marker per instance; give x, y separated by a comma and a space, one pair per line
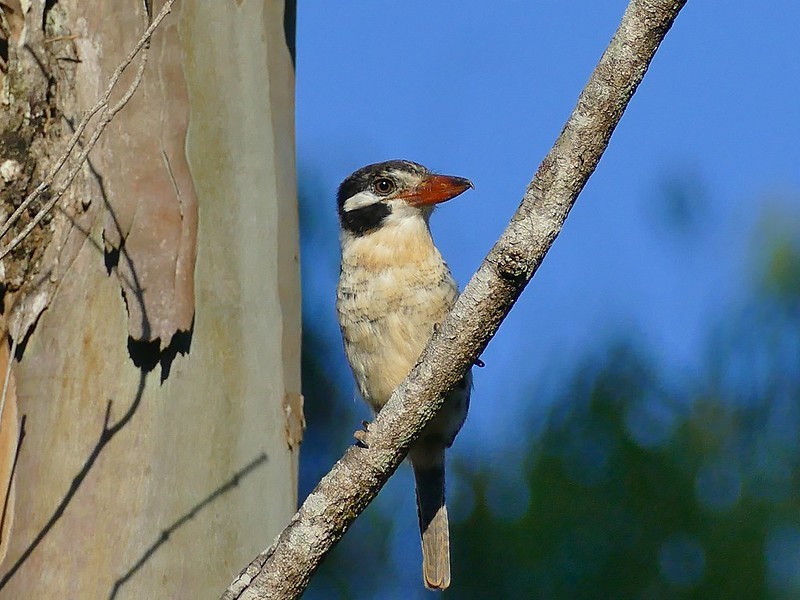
433, 524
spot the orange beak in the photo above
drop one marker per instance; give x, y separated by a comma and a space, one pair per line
435, 189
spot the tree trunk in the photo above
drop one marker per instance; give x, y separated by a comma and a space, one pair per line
155, 313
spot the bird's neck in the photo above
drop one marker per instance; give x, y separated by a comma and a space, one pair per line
399, 242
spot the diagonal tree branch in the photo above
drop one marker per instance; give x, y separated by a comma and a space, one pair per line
283, 570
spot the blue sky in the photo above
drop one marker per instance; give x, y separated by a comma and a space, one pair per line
482, 92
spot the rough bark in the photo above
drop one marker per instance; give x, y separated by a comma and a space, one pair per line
283, 570
157, 308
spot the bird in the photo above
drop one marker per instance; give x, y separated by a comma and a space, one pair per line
394, 289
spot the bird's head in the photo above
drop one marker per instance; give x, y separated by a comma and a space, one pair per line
392, 191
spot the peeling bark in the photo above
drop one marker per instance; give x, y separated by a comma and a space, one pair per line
150, 228
36, 94
156, 433
56, 71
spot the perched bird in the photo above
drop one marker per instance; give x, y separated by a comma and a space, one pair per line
394, 288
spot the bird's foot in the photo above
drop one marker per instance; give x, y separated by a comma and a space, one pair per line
479, 363
361, 435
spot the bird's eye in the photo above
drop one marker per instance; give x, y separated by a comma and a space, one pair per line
384, 186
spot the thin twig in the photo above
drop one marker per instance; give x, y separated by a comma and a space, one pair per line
61, 38
106, 117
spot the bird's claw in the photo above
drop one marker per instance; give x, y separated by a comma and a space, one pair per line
479, 363
361, 435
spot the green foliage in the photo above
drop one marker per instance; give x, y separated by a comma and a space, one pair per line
612, 518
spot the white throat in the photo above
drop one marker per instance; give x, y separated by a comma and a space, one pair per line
403, 237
